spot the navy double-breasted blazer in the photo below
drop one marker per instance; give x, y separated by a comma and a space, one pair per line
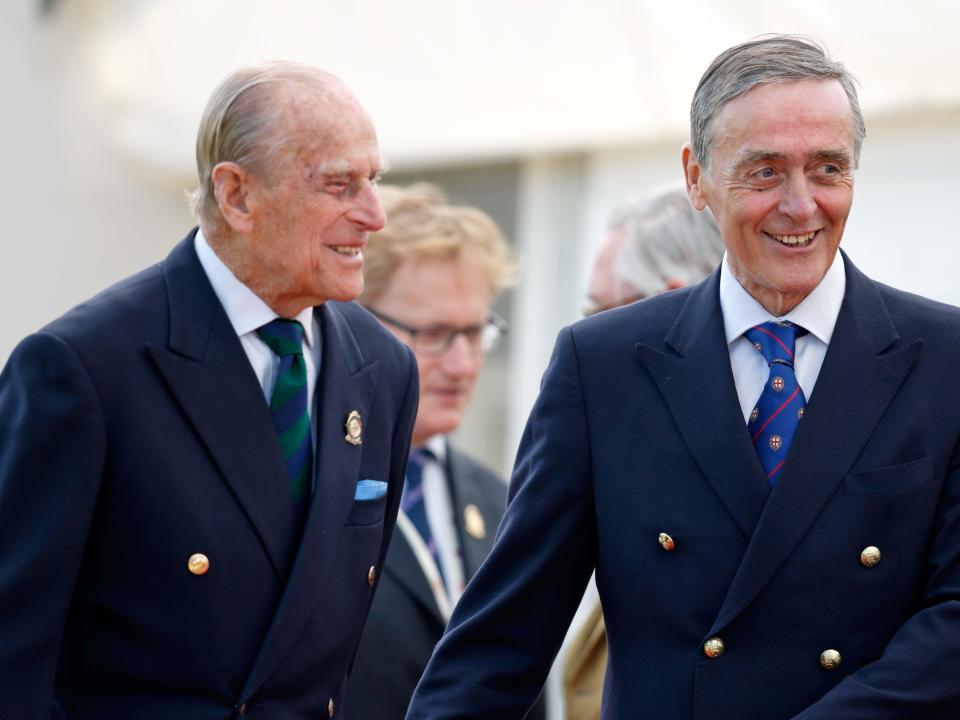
133, 435
638, 431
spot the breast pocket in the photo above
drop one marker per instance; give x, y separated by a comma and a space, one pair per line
367, 512
890, 479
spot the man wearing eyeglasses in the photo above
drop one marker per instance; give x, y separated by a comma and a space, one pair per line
430, 277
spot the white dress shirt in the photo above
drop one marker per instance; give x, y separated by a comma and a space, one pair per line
441, 516
247, 312
817, 314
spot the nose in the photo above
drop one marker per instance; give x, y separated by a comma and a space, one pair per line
461, 358
798, 201
367, 210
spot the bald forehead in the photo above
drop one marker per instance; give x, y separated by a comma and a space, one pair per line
322, 99
319, 114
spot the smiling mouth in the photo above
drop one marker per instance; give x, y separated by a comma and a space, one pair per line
798, 240
348, 250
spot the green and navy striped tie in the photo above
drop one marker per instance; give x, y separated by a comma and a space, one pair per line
288, 404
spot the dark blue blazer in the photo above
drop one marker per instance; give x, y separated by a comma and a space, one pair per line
134, 434
638, 431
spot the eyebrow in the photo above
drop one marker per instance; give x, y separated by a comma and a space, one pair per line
749, 157
333, 168
753, 157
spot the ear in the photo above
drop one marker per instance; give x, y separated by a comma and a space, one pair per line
231, 184
693, 174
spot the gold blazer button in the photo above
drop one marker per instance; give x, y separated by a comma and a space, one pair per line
830, 659
666, 542
713, 648
198, 564
870, 557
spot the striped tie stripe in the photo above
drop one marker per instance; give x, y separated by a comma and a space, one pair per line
288, 402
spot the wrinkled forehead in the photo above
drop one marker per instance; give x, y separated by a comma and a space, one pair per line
309, 109
322, 126
784, 107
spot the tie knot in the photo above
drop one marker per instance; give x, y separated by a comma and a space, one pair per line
284, 337
775, 341
420, 456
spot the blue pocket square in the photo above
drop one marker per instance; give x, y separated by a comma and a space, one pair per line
370, 490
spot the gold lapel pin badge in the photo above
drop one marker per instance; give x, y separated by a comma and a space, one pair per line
473, 522
354, 427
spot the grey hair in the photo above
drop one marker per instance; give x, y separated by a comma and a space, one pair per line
239, 124
666, 239
769, 58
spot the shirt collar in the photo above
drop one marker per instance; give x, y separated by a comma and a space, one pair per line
244, 308
438, 446
817, 313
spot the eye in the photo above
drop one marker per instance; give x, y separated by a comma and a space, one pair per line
831, 172
763, 177
763, 174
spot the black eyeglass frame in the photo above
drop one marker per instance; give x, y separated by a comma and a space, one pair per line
489, 334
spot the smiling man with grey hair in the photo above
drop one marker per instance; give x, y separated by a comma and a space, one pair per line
763, 468
200, 467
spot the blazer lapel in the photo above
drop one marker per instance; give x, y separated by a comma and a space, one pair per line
463, 492
693, 374
346, 384
208, 372
402, 566
861, 374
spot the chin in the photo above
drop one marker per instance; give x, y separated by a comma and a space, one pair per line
442, 423
343, 294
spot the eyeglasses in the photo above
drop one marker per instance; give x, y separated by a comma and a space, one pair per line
436, 341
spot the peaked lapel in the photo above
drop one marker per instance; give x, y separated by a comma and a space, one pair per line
347, 382
209, 374
694, 376
404, 569
862, 372
466, 489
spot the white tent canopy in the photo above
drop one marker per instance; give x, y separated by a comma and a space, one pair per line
453, 80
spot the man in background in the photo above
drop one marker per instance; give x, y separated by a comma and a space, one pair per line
200, 467
763, 468
650, 247
431, 276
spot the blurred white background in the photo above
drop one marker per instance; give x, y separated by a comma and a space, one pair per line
548, 114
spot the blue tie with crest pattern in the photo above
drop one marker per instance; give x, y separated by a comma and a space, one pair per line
778, 412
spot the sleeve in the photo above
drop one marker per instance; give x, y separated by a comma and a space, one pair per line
508, 626
51, 456
917, 674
